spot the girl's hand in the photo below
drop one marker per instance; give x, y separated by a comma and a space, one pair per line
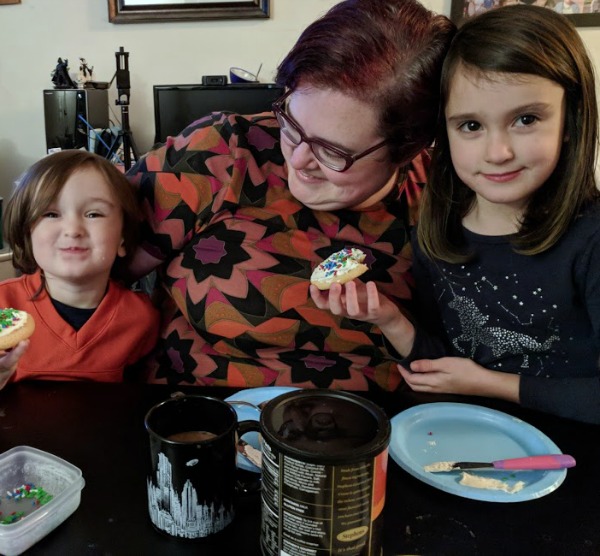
457, 375
9, 360
356, 300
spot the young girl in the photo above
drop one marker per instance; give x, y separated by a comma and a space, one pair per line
71, 216
507, 255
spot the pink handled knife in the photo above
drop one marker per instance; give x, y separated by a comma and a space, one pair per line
547, 461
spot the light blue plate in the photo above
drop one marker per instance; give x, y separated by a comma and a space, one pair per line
254, 396
434, 432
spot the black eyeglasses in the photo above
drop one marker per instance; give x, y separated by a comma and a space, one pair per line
326, 153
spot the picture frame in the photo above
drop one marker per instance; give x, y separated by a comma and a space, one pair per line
6, 2
588, 11
156, 11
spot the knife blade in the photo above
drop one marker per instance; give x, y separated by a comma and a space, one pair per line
546, 461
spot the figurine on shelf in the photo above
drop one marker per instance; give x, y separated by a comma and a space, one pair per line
61, 77
85, 73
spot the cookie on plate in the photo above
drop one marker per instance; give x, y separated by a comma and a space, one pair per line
341, 267
14, 326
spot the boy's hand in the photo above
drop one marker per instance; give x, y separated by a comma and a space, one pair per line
9, 360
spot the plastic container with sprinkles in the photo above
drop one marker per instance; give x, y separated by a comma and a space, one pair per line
23, 468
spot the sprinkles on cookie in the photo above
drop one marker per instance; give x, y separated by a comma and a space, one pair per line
8, 317
15, 326
341, 267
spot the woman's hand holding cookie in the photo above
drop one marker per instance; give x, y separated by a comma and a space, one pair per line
356, 300
333, 287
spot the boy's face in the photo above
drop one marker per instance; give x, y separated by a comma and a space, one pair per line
79, 236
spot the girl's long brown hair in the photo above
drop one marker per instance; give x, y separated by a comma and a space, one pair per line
518, 39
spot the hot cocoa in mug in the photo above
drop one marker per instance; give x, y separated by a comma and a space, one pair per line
192, 480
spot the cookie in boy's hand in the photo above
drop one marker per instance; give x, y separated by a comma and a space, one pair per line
14, 326
341, 267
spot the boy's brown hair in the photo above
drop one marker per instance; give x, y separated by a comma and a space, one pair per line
39, 187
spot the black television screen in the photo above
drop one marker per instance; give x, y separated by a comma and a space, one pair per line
177, 106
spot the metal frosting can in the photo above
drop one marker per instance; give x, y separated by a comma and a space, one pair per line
324, 469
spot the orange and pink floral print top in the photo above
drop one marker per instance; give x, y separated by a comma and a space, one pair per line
238, 252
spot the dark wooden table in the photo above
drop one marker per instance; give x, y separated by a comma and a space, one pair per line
99, 428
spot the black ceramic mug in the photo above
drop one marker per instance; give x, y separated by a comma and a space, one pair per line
192, 479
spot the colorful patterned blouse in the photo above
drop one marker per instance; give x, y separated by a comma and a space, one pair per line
239, 250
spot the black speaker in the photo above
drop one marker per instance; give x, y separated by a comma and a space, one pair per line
71, 114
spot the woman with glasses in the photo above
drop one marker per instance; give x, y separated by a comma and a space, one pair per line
240, 209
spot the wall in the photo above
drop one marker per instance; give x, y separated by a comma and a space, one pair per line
35, 33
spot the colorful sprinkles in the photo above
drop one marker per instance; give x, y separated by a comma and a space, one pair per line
8, 317
340, 261
27, 496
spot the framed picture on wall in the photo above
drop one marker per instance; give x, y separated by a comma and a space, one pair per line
583, 13
10, 2
144, 11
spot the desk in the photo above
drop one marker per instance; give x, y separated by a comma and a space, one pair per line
99, 428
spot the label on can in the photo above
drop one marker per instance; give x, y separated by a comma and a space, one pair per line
311, 509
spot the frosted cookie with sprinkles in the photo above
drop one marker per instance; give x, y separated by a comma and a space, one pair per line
341, 267
15, 326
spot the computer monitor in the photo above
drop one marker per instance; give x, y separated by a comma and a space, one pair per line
177, 106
